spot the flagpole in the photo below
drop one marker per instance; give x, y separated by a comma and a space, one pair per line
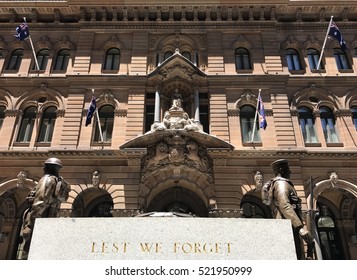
33, 50
324, 44
255, 117
98, 121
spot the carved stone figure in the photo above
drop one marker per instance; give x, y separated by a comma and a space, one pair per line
44, 200
96, 178
21, 178
288, 204
333, 178
176, 102
161, 153
258, 179
176, 118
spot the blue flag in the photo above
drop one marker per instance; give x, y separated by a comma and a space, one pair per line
261, 111
22, 32
336, 34
91, 110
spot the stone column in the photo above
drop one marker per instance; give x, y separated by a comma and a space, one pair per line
157, 106
197, 106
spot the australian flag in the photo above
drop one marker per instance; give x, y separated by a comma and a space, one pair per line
262, 120
91, 110
22, 32
336, 33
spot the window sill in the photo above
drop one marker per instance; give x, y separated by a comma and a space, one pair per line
334, 144
313, 145
99, 144
318, 71
110, 71
252, 144
244, 71
43, 144
21, 144
345, 71
297, 72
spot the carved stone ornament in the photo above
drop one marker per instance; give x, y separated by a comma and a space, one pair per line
176, 118
177, 150
333, 178
21, 178
96, 178
258, 179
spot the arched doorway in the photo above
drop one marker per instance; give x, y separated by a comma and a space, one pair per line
178, 199
330, 239
93, 202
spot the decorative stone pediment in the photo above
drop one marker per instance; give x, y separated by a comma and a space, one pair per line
178, 67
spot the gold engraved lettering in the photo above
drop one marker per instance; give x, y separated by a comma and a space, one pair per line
125, 245
115, 248
198, 248
202, 248
93, 248
150, 247
104, 247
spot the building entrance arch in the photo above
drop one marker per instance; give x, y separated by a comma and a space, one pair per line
180, 200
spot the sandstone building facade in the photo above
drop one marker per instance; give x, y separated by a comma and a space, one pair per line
213, 58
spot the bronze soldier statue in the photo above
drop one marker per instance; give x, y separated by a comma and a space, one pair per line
283, 195
44, 200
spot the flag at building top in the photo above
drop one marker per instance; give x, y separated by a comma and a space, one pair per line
22, 32
91, 110
261, 111
334, 32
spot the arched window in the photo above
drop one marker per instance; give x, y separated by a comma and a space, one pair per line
106, 116
293, 59
247, 116
242, 57
112, 59
313, 56
26, 126
15, 60
354, 116
341, 59
167, 54
2, 115
328, 125
331, 247
42, 59
307, 125
62, 60
187, 55
47, 125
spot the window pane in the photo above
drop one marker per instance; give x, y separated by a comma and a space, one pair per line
2, 115
242, 57
247, 116
328, 125
293, 59
106, 116
187, 55
149, 116
313, 58
354, 116
341, 59
112, 59
42, 59
27, 124
47, 125
167, 55
307, 125
62, 60
15, 60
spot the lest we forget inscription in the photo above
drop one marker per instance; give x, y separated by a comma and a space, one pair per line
154, 238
